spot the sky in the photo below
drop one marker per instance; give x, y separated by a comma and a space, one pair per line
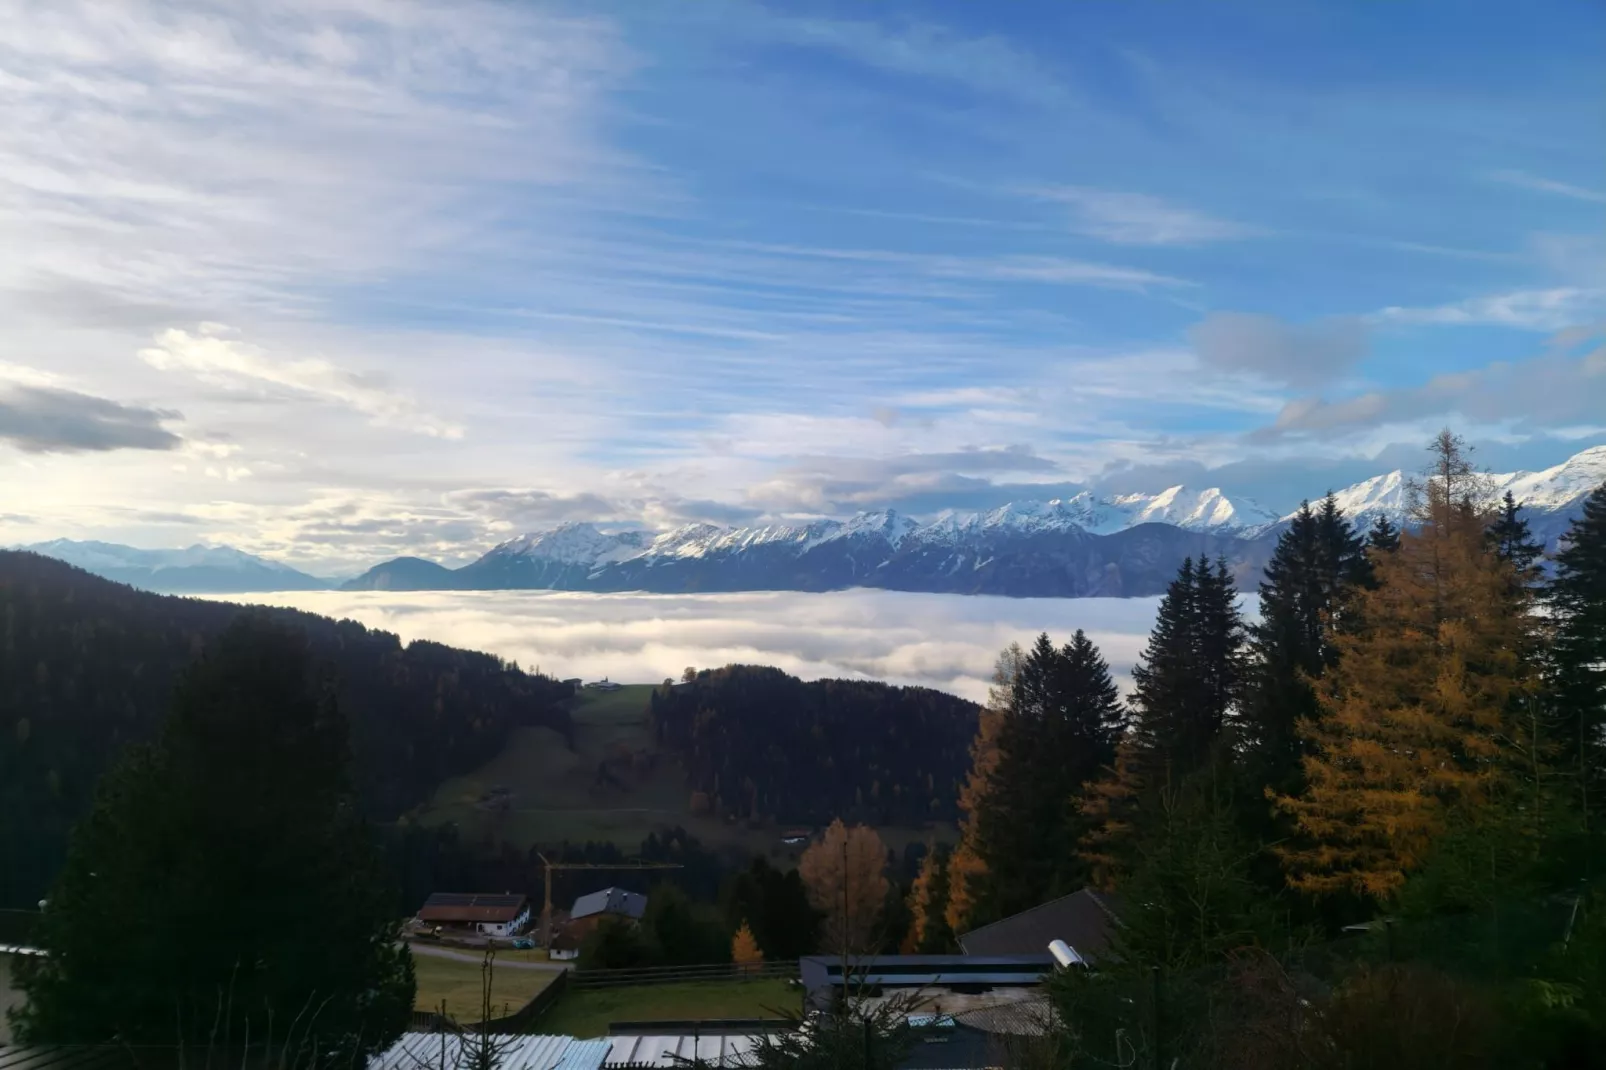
337, 280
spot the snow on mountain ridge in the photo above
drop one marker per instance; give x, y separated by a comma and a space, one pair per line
92, 555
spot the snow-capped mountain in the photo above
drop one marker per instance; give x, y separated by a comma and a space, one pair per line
1548, 497
1121, 545
1126, 544
193, 570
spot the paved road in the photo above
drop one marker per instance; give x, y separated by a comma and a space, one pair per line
477, 957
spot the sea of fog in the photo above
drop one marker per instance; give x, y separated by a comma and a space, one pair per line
935, 640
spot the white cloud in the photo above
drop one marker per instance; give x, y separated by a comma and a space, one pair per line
942, 641
1532, 310
215, 358
1540, 184
987, 65
211, 157
1125, 218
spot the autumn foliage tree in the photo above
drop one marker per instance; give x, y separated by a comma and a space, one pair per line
845, 876
966, 870
744, 947
1415, 717
929, 932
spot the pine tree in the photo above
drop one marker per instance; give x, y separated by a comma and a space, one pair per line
224, 877
1189, 681
1318, 561
1415, 717
1189, 676
1383, 536
1060, 730
1577, 601
1512, 542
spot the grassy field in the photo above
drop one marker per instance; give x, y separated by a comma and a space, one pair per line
587, 1012
458, 983
557, 795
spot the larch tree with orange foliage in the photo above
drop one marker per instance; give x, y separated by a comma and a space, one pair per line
845, 876
929, 933
744, 947
1415, 723
966, 871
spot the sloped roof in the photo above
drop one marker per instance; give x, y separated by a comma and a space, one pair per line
459, 906
515, 1052
610, 901
1086, 920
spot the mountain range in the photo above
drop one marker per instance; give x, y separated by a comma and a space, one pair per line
1123, 545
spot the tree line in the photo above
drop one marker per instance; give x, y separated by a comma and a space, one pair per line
88, 668
763, 746
1414, 728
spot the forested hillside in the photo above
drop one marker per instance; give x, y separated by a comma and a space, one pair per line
88, 666
758, 743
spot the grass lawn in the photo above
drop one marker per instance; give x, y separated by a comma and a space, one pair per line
458, 983
587, 1012
556, 795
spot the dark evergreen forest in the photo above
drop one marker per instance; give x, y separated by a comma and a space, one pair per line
759, 744
88, 666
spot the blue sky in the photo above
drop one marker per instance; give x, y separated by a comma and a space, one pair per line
334, 281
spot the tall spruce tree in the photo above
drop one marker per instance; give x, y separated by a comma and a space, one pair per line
1189, 677
1512, 542
1577, 602
1318, 561
1383, 536
1416, 718
224, 884
1060, 730
1189, 682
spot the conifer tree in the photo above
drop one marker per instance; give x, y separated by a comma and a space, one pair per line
966, 870
744, 948
1318, 561
1512, 542
1383, 536
1060, 730
1415, 717
1189, 676
224, 881
929, 933
1577, 601
1189, 681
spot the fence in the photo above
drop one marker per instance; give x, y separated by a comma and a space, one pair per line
669, 975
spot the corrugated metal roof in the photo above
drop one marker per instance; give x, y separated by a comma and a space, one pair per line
65, 1057
610, 901
715, 1050
418, 1051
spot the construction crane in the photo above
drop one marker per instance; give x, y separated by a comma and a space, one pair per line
549, 866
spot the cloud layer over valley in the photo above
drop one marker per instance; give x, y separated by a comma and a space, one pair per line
929, 640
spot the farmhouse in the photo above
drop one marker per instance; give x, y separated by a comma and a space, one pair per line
488, 915
590, 910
